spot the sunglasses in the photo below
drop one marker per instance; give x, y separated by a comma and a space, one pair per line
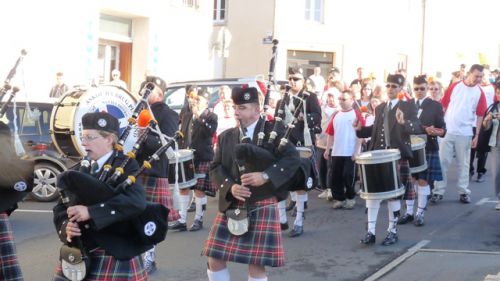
419, 89
392, 86
294, 79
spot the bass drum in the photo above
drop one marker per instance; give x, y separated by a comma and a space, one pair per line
66, 118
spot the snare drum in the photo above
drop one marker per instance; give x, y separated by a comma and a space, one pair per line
66, 119
419, 162
379, 174
304, 152
185, 169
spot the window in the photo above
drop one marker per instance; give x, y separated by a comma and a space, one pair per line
219, 10
314, 10
191, 3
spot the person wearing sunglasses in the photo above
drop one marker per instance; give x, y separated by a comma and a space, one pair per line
464, 103
342, 146
116, 81
431, 116
303, 134
435, 90
400, 119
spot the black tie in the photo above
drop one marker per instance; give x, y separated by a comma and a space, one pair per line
94, 167
418, 104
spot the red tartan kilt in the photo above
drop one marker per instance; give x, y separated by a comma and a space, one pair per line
106, 268
261, 245
204, 184
9, 265
158, 191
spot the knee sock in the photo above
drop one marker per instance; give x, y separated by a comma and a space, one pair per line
184, 204
409, 206
150, 254
200, 207
423, 193
301, 198
221, 275
282, 211
372, 211
250, 278
393, 207
293, 196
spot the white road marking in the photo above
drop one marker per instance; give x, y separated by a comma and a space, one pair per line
32, 211
482, 201
384, 270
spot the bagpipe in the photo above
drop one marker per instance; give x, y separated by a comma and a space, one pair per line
80, 187
258, 157
16, 175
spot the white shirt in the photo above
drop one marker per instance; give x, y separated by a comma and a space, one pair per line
101, 161
251, 129
344, 137
462, 104
319, 83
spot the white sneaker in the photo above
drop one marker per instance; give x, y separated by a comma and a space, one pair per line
349, 204
330, 196
497, 207
323, 194
338, 204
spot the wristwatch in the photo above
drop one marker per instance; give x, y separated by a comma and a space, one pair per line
265, 176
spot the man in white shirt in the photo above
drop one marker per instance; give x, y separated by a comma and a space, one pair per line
463, 101
318, 80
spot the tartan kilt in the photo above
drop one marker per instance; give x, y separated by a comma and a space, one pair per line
204, 184
404, 174
261, 245
106, 268
158, 191
9, 265
433, 171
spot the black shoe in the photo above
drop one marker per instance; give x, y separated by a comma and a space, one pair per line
480, 177
290, 206
284, 226
405, 219
305, 205
419, 220
177, 225
435, 198
197, 225
296, 231
150, 266
464, 198
390, 239
192, 207
369, 239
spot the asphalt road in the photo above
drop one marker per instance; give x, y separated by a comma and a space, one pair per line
458, 242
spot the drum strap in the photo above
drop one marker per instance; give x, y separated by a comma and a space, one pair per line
386, 126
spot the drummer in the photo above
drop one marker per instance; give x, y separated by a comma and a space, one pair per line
431, 116
199, 125
394, 121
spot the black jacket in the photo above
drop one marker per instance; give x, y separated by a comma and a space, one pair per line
168, 122
313, 112
432, 114
399, 134
485, 134
224, 171
111, 221
201, 133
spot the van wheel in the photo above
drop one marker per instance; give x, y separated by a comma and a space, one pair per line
45, 188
